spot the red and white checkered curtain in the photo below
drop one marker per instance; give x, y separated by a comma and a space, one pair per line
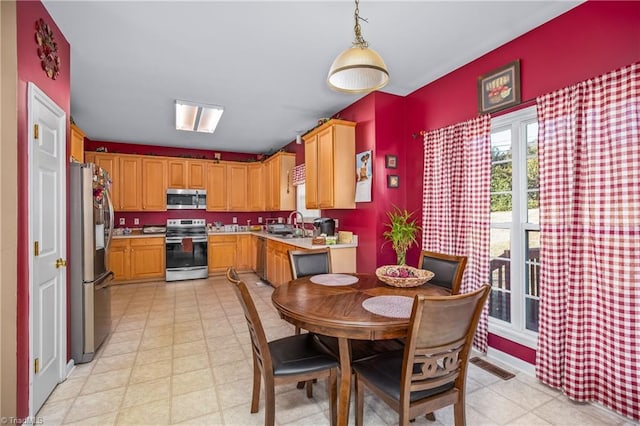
299, 174
456, 201
589, 165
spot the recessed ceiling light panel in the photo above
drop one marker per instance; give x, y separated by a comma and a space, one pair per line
195, 117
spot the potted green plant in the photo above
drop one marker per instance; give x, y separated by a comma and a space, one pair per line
402, 232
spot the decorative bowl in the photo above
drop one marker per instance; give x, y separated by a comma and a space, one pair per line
403, 275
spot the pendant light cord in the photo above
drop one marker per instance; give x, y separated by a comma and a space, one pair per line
360, 42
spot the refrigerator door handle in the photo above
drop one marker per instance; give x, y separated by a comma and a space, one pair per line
111, 219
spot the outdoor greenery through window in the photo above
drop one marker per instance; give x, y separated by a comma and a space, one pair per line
515, 229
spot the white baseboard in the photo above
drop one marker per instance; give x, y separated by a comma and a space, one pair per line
70, 366
511, 361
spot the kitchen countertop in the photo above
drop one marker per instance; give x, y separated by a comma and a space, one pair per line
302, 242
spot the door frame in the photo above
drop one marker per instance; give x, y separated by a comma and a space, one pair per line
34, 93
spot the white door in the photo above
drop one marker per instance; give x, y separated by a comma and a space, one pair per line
48, 238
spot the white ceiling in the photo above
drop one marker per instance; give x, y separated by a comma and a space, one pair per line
266, 62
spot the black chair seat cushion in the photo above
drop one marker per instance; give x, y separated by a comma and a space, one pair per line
300, 353
384, 371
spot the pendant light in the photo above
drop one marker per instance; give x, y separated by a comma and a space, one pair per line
358, 69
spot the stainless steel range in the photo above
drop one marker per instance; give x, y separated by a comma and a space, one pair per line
186, 248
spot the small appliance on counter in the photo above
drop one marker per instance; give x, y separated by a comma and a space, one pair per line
324, 225
154, 229
279, 229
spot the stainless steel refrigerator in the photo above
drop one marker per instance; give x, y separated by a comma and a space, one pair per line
90, 232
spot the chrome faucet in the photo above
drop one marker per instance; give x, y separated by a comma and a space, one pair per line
293, 219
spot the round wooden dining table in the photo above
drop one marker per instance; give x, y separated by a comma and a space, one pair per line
336, 310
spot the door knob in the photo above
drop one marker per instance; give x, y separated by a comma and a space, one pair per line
60, 263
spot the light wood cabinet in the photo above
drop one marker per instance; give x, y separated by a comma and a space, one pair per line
236, 187
147, 258
330, 166
133, 259
177, 173
244, 253
130, 183
222, 252
255, 187
118, 259
111, 164
186, 174
278, 268
196, 174
216, 187
279, 191
253, 253
154, 184
76, 150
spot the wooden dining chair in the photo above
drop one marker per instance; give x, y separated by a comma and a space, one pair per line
292, 359
431, 371
448, 269
305, 263
309, 262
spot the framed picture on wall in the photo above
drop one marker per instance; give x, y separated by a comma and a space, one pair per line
390, 161
500, 88
393, 181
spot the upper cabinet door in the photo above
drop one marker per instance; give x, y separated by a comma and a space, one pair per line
130, 182
216, 187
154, 184
237, 187
177, 171
326, 178
311, 172
110, 163
77, 144
280, 194
196, 174
255, 187
330, 166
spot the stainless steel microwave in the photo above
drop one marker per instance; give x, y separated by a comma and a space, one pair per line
187, 199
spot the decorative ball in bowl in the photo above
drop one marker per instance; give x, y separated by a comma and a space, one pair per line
403, 275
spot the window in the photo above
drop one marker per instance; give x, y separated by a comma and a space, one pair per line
308, 215
515, 228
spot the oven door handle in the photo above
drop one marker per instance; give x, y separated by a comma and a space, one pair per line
178, 240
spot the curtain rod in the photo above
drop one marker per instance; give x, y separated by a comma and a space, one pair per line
521, 105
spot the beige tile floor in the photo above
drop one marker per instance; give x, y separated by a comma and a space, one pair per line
179, 353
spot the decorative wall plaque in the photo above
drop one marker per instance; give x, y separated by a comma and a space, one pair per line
47, 49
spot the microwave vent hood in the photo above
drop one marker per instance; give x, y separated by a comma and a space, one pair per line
186, 199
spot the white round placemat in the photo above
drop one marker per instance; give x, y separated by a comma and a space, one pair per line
389, 306
334, 279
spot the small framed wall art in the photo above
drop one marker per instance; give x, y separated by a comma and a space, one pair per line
390, 161
499, 88
393, 181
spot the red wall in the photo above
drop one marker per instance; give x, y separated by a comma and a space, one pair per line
168, 151
591, 39
30, 70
